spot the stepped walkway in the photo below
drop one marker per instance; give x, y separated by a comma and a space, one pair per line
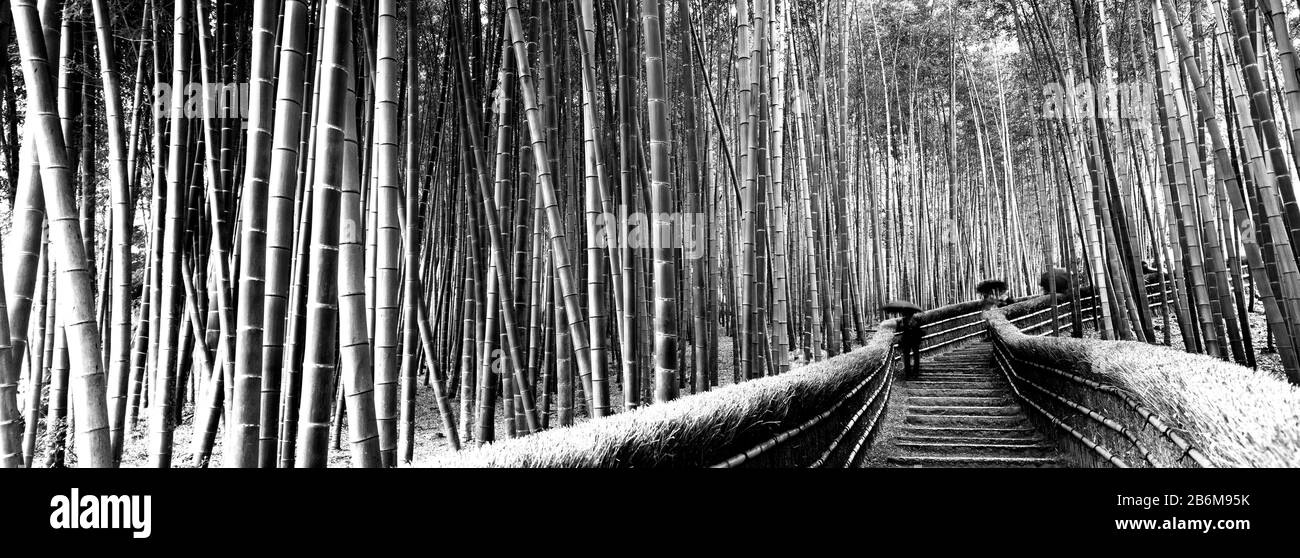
959, 412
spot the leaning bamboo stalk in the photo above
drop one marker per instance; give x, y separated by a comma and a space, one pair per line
27, 233
544, 178
37, 363
357, 370
163, 374
415, 307
215, 181
504, 283
78, 299
25, 240
440, 396
120, 198
151, 315
210, 380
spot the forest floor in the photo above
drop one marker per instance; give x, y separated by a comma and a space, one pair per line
1266, 358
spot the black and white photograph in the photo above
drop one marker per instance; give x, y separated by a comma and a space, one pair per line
958, 251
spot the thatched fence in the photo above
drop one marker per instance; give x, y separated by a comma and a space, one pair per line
1131, 404
1037, 316
823, 414
951, 325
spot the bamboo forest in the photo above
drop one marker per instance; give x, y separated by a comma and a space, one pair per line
650, 233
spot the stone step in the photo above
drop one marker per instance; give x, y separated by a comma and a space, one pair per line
910, 460
956, 384
958, 392
960, 411
1025, 438
928, 371
965, 410
959, 401
980, 421
950, 376
924, 375
933, 372
918, 430
999, 449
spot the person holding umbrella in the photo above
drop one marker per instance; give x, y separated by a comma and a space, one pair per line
994, 292
1055, 281
910, 335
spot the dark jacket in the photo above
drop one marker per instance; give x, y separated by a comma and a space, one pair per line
910, 333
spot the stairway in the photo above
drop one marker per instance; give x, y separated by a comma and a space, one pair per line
959, 412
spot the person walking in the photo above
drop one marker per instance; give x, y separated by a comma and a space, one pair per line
911, 333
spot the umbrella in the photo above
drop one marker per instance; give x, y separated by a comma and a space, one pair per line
900, 306
991, 285
1059, 276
